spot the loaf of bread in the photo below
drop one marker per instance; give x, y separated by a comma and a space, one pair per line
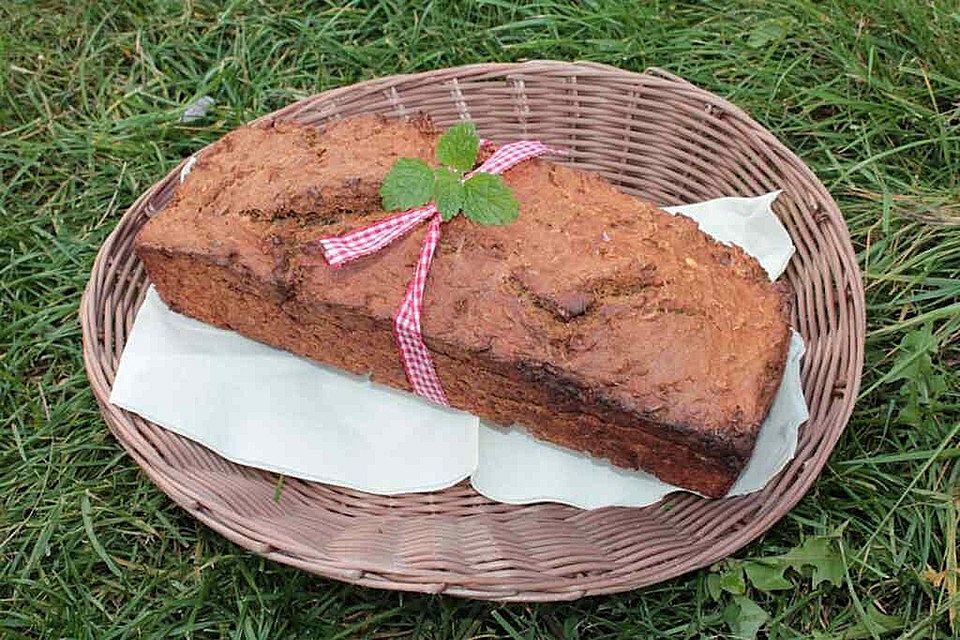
595, 321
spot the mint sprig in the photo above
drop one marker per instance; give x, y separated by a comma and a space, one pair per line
484, 198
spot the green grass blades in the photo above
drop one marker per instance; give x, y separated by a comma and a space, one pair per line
91, 94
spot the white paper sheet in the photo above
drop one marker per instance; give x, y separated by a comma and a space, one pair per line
267, 408
747, 222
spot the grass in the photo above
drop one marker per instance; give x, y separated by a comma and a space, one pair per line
865, 91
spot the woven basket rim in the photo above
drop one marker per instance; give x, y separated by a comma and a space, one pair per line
116, 288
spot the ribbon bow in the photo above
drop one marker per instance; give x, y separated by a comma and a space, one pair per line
339, 250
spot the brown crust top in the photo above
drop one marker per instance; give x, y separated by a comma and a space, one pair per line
614, 301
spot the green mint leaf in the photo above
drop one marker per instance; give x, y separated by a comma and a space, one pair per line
448, 192
458, 146
488, 200
408, 184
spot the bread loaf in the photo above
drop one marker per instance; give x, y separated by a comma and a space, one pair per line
595, 321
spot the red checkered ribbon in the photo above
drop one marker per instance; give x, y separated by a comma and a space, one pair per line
339, 250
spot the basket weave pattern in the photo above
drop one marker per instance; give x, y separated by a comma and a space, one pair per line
653, 135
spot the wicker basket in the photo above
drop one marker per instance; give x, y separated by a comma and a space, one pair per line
652, 134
